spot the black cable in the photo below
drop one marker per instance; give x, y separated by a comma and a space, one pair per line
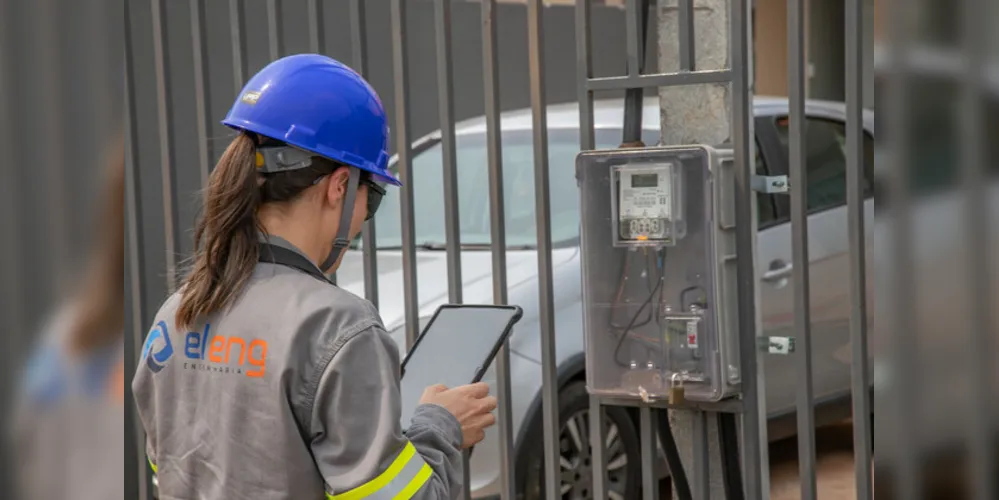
621, 284
680, 484
624, 334
728, 441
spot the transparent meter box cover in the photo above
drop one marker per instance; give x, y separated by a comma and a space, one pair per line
653, 304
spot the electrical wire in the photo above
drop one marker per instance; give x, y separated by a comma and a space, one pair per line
617, 302
634, 319
666, 439
626, 332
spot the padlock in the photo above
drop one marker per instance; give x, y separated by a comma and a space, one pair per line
675, 390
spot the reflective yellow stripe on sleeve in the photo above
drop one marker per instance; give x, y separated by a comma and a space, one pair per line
415, 485
400, 481
151, 465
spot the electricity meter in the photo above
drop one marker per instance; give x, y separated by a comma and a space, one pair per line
657, 250
649, 204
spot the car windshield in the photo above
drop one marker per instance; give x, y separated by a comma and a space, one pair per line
473, 192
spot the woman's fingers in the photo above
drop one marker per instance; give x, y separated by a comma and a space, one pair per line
482, 421
473, 436
488, 404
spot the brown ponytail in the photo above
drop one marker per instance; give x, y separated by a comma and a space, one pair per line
225, 238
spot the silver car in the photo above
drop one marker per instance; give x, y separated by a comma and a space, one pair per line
827, 246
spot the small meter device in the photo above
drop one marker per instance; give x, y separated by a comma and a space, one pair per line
648, 204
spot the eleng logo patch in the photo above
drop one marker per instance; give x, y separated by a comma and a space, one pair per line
159, 337
219, 353
207, 352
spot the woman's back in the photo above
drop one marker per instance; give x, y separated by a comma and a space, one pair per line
229, 402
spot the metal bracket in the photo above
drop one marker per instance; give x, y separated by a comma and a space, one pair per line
770, 184
776, 345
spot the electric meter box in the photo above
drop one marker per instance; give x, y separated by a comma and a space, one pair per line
658, 266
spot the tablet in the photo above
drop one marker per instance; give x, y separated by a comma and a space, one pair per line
455, 348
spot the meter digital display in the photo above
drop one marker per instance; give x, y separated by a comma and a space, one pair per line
647, 203
644, 180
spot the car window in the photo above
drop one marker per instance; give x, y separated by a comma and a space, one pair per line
825, 160
766, 204
473, 190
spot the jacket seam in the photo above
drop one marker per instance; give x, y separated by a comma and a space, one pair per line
313, 387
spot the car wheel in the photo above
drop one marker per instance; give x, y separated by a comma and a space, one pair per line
575, 459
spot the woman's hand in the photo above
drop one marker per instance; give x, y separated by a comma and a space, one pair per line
470, 404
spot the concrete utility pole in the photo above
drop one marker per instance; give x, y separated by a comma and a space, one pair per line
699, 114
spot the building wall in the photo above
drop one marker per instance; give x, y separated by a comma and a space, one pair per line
825, 48
770, 49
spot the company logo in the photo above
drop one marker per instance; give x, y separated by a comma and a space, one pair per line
225, 354
251, 97
159, 337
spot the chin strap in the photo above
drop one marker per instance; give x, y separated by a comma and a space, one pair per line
341, 242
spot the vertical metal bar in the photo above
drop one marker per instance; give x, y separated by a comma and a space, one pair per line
535, 41
452, 228
164, 115
369, 238
745, 247
135, 261
404, 150
633, 97
587, 141
798, 171
598, 447
702, 467
978, 229
237, 15
648, 436
631, 18
47, 76
14, 306
688, 50
584, 71
317, 33
200, 63
274, 32
862, 435
497, 227
445, 102
904, 350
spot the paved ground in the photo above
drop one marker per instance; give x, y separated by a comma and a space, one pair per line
834, 448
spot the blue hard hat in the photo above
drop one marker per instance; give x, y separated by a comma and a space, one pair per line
320, 105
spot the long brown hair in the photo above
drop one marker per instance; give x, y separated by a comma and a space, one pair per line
225, 238
101, 298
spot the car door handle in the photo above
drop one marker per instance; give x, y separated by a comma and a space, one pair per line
779, 272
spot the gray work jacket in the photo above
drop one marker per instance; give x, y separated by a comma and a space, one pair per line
291, 393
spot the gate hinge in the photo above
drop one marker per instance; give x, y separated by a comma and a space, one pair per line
776, 345
770, 184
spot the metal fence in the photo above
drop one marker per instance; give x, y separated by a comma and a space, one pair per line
159, 209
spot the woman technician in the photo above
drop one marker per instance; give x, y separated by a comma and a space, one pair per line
260, 378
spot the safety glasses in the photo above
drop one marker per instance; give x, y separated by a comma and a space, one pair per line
375, 194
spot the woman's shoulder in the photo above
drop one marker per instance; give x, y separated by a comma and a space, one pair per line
283, 288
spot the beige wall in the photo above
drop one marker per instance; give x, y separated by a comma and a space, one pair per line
770, 49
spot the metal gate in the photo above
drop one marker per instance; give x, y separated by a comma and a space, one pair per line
170, 156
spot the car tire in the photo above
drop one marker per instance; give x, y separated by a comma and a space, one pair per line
623, 453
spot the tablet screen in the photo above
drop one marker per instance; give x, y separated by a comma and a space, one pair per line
453, 349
